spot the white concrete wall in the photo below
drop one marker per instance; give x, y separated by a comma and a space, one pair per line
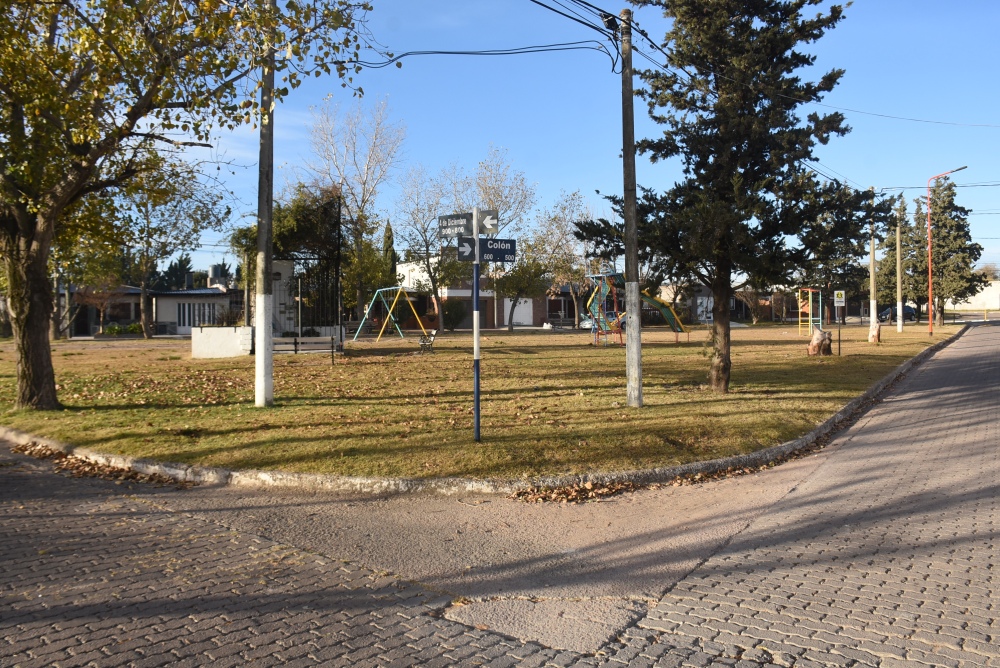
210, 342
524, 312
989, 298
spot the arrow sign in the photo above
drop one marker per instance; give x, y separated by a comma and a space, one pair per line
466, 249
454, 225
489, 222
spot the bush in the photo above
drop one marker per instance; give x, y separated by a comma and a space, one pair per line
113, 330
228, 317
310, 332
453, 312
288, 335
134, 328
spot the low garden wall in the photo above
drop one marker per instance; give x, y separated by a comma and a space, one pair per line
208, 342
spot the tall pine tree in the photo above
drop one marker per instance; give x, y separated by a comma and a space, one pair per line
729, 106
954, 253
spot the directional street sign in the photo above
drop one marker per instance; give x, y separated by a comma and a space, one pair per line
489, 222
466, 249
455, 225
497, 250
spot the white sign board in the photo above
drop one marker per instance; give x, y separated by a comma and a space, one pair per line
839, 298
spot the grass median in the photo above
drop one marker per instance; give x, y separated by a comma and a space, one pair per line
552, 402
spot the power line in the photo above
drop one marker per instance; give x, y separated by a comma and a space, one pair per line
604, 31
591, 45
957, 185
656, 46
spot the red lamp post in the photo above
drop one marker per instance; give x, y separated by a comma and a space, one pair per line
930, 273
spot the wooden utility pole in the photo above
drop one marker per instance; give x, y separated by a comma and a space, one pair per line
872, 302
899, 282
264, 297
874, 329
633, 308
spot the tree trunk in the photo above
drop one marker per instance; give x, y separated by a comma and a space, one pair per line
30, 302
939, 312
144, 314
56, 321
722, 362
513, 305
576, 309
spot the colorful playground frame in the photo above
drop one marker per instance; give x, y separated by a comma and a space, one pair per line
807, 307
609, 323
380, 295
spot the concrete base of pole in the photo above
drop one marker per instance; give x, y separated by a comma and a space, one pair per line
263, 351
633, 346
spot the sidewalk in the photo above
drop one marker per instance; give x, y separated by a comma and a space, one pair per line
880, 551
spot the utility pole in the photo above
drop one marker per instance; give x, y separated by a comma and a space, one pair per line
633, 309
872, 304
899, 281
264, 298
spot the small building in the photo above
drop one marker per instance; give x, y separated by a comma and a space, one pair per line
494, 312
177, 311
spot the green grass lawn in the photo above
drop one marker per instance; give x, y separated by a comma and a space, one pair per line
552, 403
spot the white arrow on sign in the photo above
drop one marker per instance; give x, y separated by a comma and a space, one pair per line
489, 222
466, 249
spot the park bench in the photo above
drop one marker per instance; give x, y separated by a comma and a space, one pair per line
352, 327
427, 341
304, 344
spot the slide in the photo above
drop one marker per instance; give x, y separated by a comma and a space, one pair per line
666, 310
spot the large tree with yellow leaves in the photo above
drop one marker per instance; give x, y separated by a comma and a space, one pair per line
88, 88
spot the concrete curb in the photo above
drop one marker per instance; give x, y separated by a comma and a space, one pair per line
450, 486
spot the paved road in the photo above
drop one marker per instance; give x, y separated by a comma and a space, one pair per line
880, 551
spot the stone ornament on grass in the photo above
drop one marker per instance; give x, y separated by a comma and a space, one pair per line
875, 332
821, 343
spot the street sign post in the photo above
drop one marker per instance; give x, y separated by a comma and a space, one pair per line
497, 250
466, 228
455, 225
839, 301
476, 220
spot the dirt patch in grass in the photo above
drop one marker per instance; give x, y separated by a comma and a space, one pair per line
552, 403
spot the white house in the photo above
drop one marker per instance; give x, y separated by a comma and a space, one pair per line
177, 311
529, 312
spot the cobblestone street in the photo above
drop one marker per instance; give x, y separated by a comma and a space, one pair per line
884, 552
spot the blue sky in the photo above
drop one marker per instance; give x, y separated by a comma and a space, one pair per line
558, 115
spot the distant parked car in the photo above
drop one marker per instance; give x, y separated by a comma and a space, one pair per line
890, 314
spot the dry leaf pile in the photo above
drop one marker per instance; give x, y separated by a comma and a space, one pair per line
588, 491
78, 467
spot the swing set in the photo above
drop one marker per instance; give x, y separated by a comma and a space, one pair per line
383, 295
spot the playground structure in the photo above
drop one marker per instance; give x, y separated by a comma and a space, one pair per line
381, 296
810, 310
611, 323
